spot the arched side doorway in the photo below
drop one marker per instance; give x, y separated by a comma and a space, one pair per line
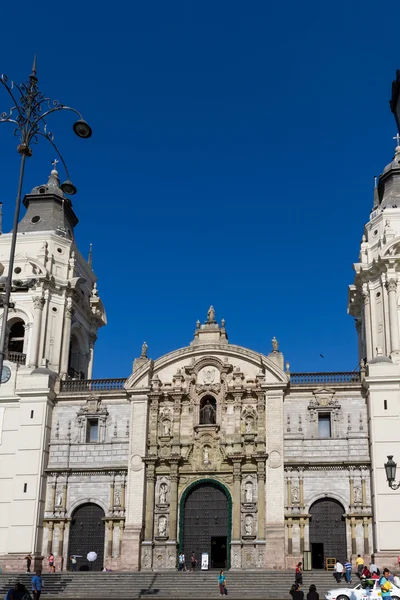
205, 523
327, 532
87, 535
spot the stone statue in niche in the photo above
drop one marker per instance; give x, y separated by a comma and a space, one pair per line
117, 498
166, 427
206, 455
59, 501
162, 526
249, 492
249, 425
163, 493
295, 495
207, 413
248, 525
357, 495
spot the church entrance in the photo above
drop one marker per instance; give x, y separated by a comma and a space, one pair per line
327, 532
87, 535
206, 524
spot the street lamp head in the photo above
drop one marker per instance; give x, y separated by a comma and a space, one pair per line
68, 188
82, 129
395, 100
390, 468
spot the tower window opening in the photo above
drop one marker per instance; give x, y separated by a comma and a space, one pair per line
92, 430
25, 488
324, 425
16, 337
32, 413
385, 404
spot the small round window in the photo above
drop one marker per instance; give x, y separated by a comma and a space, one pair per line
17, 270
36, 219
60, 250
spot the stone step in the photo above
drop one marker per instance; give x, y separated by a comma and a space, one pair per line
250, 585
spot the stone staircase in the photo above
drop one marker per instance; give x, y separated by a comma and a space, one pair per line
269, 585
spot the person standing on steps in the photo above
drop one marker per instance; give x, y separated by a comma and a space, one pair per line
193, 561
298, 577
28, 559
181, 562
73, 562
37, 585
338, 572
52, 568
222, 584
359, 565
347, 569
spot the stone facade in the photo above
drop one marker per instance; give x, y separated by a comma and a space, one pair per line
279, 446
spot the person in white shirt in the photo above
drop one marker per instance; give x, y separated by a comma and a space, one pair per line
396, 580
338, 571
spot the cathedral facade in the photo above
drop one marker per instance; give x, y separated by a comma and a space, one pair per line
213, 448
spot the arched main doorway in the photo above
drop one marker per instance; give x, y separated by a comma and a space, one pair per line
205, 523
87, 535
327, 532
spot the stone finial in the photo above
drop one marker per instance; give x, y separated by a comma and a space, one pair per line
198, 324
144, 350
287, 367
275, 344
222, 322
211, 315
379, 351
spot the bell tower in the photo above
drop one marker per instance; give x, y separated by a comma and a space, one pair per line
374, 303
373, 298
57, 309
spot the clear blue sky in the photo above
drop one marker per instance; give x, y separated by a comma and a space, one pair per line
232, 162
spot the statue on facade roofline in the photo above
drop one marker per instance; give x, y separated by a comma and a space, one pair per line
211, 315
275, 344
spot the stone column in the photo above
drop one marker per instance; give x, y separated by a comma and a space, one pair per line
366, 537
289, 491
351, 482
290, 536
353, 536
363, 490
121, 533
236, 544
394, 325
50, 529
110, 530
38, 303
150, 481
53, 496
173, 506
111, 506
367, 323
301, 486
61, 527
92, 341
261, 498
301, 525
69, 311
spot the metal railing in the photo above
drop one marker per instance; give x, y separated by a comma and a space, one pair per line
318, 378
92, 385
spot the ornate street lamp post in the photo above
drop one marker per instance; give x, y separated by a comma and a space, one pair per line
395, 100
390, 468
28, 114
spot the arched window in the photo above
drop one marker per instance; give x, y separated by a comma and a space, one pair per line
78, 360
16, 338
208, 410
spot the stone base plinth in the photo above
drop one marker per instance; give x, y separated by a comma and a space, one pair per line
130, 549
388, 560
275, 547
16, 563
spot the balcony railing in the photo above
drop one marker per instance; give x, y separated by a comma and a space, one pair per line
92, 385
325, 378
16, 357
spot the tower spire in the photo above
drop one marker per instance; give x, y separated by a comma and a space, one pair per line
33, 74
90, 256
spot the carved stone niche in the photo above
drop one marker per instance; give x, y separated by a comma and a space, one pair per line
162, 494
165, 423
207, 454
249, 527
161, 532
249, 423
249, 493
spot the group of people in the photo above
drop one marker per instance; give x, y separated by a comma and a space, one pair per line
297, 593
19, 591
182, 562
366, 574
51, 561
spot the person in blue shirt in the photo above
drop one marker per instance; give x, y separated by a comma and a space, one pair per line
18, 592
385, 584
222, 584
347, 567
37, 584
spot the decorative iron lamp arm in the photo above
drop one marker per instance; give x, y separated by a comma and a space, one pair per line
390, 468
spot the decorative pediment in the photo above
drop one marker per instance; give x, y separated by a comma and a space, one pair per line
93, 407
323, 398
206, 364
393, 249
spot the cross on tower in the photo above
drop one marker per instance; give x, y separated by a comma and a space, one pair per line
55, 161
397, 138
